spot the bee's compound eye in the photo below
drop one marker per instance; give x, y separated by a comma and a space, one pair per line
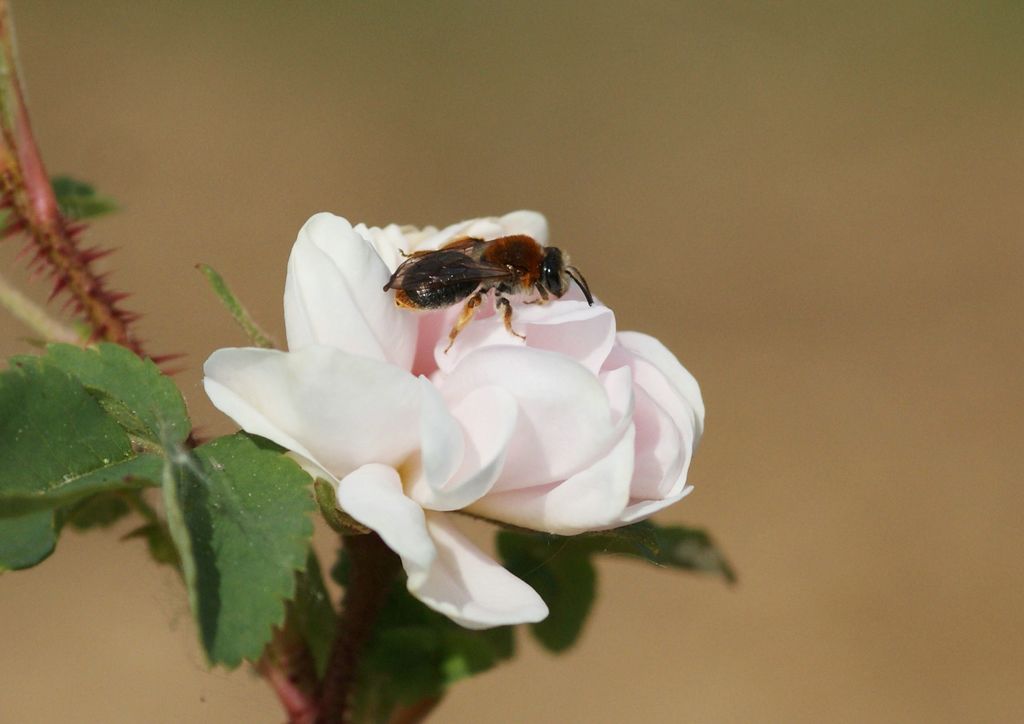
552, 272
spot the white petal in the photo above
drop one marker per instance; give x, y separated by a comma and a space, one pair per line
373, 496
530, 223
641, 509
487, 417
662, 367
443, 446
334, 295
312, 467
338, 410
470, 588
564, 422
416, 236
480, 228
389, 243
593, 499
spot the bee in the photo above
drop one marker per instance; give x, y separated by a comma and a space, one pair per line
467, 269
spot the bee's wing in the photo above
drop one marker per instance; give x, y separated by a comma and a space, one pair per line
443, 268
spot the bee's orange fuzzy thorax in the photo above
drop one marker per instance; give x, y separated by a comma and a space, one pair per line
520, 252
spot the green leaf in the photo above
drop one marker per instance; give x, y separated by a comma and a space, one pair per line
416, 653
313, 614
57, 444
339, 520
461, 651
129, 474
690, 549
468, 653
26, 540
561, 568
79, 200
158, 542
238, 511
64, 442
97, 511
637, 539
563, 576
132, 390
220, 287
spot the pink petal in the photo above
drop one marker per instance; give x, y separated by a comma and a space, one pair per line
567, 326
661, 455
565, 420
669, 416
334, 295
592, 499
488, 420
618, 385
339, 410
431, 327
659, 372
470, 588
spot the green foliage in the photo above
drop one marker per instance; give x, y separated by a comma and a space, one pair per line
238, 513
675, 546
337, 519
562, 574
312, 613
26, 540
220, 287
78, 200
80, 431
98, 511
131, 390
416, 653
159, 543
561, 569
57, 443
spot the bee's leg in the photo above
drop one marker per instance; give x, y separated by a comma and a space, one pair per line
506, 307
414, 254
543, 295
467, 314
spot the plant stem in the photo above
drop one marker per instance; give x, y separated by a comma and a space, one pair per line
29, 197
26, 194
414, 713
373, 568
33, 316
288, 668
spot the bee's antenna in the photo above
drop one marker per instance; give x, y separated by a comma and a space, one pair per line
575, 275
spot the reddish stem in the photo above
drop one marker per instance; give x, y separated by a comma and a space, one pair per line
299, 705
29, 197
373, 568
27, 194
414, 713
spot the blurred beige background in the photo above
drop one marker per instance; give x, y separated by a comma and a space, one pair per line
816, 205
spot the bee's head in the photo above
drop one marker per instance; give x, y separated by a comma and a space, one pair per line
552, 272
555, 275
